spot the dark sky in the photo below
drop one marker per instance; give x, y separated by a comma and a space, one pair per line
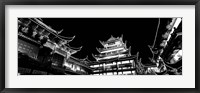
139, 32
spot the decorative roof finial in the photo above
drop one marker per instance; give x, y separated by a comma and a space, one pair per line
111, 38
59, 31
102, 43
121, 38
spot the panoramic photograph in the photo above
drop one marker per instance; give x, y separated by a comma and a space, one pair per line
100, 46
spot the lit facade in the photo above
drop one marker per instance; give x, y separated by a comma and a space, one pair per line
167, 50
114, 59
41, 50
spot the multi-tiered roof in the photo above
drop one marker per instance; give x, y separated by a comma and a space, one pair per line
113, 48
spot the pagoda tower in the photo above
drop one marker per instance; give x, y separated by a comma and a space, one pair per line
113, 48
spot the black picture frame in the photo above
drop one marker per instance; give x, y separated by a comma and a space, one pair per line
3, 3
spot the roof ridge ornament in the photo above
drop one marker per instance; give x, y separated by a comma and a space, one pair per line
58, 32
121, 38
85, 58
111, 38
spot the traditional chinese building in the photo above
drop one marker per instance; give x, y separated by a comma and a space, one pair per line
78, 66
42, 50
167, 49
114, 58
113, 48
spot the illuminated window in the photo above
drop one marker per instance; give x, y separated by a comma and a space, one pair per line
118, 62
133, 72
96, 71
109, 64
115, 73
119, 73
127, 72
125, 62
124, 67
109, 73
78, 68
82, 70
178, 55
96, 66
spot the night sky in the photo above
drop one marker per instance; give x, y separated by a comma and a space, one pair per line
138, 32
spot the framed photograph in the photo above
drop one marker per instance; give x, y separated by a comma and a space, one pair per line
99, 46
